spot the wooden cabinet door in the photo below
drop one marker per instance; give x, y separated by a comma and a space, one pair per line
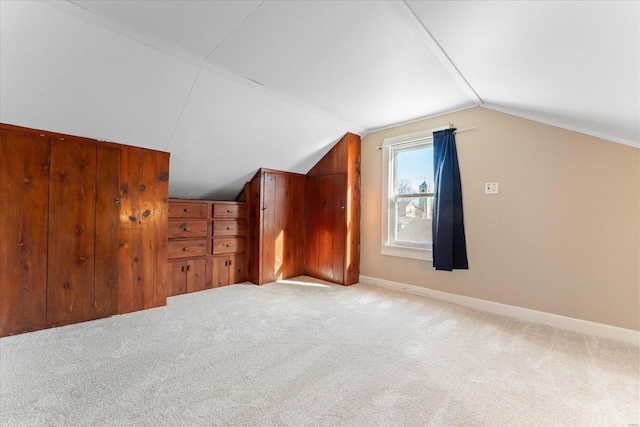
237, 268
71, 242
177, 272
196, 274
220, 266
24, 191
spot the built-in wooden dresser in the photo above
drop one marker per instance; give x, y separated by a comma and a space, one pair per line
207, 243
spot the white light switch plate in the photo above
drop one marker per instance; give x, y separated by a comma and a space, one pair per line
491, 188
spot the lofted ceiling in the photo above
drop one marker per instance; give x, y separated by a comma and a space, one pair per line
228, 87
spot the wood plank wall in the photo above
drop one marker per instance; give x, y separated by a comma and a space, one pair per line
24, 180
84, 227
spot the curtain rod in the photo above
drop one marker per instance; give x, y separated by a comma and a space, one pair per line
422, 139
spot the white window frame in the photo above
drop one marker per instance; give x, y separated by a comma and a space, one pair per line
421, 251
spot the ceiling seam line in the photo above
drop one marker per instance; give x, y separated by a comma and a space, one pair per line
233, 31
189, 58
184, 106
408, 15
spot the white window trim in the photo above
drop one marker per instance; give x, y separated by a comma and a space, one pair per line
395, 248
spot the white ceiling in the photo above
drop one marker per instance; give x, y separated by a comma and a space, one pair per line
231, 86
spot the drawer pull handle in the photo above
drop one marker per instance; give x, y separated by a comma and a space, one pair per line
230, 262
186, 230
188, 268
228, 228
182, 268
185, 249
187, 210
228, 210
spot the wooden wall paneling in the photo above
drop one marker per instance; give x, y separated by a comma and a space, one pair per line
337, 231
107, 238
24, 184
136, 291
293, 224
161, 229
71, 248
312, 206
279, 236
352, 251
269, 232
254, 207
326, 223
335, 161
339, 221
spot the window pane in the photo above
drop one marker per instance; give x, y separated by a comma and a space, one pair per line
413, 219
413, 167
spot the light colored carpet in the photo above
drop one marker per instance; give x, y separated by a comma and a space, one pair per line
314, 355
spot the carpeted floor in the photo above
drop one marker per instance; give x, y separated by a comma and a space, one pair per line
305, 353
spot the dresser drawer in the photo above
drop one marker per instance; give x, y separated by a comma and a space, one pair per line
229, 227
187, 248
188, 210
228, 245
190, 228
229, 210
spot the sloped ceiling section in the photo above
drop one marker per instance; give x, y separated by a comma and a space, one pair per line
228, 87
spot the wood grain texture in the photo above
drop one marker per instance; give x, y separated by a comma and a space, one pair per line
338, 212
268, 230
160, 228
71, 248
24, 184
107, 236
283, 233
179, 209
177, 276
187, 228
335, 161
322, 219
237, 268
229, 210
137, 230
254, 208
333, 214
220, 268
196, 274
187, 248
353, 196
295, 225
229, 228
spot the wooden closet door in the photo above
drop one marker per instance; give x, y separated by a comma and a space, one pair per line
105, 301
24, 191
72, 209
339, 223
144, 209
325, 224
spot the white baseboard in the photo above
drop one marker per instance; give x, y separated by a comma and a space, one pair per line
601, 330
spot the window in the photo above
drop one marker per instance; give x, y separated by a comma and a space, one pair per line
407, 165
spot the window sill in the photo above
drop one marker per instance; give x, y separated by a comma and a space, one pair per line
407, 252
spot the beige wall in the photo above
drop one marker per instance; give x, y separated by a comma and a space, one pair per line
562, 236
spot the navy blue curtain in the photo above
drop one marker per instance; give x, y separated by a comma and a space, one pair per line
449, 245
